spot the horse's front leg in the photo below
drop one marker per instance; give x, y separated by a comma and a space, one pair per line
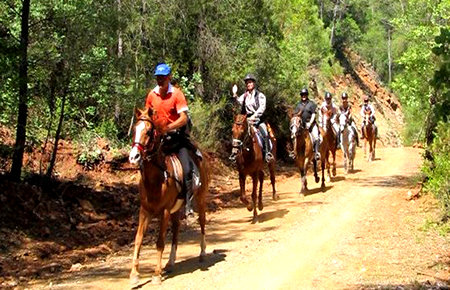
323, 161
303, 167
175, 218
327, 164
261, 180
254, 195
243, 197
272, 179
164, 222
144, 218
333, 152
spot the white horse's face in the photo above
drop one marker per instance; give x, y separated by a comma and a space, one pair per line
294, 126
343, 121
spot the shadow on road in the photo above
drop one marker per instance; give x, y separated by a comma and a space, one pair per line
193, 264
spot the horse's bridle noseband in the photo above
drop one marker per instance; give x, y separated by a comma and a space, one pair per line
143, 148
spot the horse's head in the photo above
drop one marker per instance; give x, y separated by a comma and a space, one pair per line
295, 124
367, 117
343, 121
145, 136
239, 131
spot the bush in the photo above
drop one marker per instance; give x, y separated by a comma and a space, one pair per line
437, 171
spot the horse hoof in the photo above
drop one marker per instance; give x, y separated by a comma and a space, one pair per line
260, 206
275, 197
323, 187
169, 268
255, 219
134, 281
201, 258
156, 280
317, 179
249, 207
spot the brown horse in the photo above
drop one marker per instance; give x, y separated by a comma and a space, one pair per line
369, 133
329, 141
303, 151
248, 155
159, 187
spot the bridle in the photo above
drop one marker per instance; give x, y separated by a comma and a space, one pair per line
147, 153
238, 143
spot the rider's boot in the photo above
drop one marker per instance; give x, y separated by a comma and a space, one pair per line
269, 156
317, 149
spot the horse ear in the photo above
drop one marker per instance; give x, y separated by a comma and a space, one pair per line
137, 112
290, 112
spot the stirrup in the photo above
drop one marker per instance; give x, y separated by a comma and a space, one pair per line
269, 157
317, 155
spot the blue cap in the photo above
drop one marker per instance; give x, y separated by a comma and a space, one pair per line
162, 69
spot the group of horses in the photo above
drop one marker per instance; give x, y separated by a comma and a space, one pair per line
161, 174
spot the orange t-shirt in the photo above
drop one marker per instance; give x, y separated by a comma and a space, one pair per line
167, 109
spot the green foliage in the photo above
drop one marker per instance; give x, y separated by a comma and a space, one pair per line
89, 154
437, 172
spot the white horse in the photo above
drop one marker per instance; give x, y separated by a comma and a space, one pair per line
348, 142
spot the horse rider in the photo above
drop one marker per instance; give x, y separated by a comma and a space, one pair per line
253, 104
172, 116
347, 110
308, 109
329, 105
367, 108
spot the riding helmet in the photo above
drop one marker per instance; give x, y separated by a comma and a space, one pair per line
327, 95
250, 77
344, 95
304, 91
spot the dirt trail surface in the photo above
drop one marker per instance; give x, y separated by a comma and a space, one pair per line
360, 233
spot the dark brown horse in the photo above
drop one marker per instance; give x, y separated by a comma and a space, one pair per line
369, 133
303, 152
329, 141
159, 187
248, 155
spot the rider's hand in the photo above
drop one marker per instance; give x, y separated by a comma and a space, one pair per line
164, 129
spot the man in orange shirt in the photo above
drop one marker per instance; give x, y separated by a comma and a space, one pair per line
171, 109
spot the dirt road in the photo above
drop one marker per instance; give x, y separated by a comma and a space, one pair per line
360, 233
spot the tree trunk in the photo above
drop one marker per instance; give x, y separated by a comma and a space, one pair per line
57, 134
333, 27
389, 56
19, 146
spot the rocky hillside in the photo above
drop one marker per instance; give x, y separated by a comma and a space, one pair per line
360, 79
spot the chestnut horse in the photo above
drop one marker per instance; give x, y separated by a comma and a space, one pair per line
159, 187
330, 140
303, 151
248, 155
348, 142
369, 133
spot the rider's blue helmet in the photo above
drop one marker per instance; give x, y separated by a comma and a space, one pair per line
162, 69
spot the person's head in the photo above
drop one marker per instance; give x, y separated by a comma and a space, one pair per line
250, 82
304, 94
163, 75
328, 97
366, 99
344, 98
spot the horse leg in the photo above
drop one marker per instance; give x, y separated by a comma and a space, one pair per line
261, 180
175, 218
323, 173
316, 176
201, 203
144, 218
374, 145
272, 179
243, 197
164, 222
327, 164
254, 196
333, 152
